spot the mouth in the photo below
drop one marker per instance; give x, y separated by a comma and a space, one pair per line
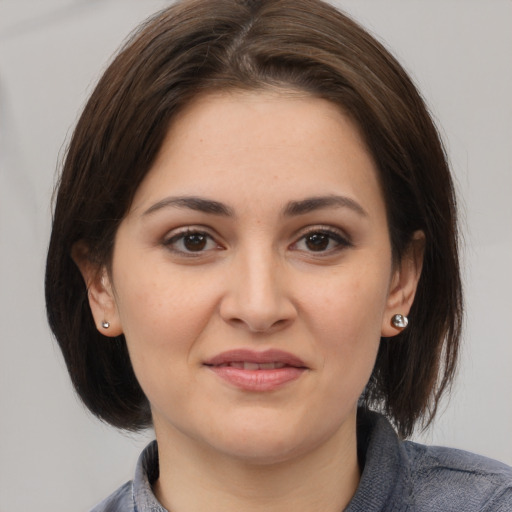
248, 365
257, 371
251, 360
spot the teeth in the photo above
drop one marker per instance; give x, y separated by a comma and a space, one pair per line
271, 366
251, 366
246, 365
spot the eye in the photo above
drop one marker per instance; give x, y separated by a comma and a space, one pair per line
191, 241
321, 240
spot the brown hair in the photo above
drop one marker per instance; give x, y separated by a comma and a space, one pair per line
196, 46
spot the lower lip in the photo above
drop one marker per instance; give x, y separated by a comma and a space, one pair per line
258, 380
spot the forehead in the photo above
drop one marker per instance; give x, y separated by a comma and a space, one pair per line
260, 144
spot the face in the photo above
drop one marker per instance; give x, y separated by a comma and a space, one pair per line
252, 276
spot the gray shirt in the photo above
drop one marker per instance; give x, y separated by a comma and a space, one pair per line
397, 476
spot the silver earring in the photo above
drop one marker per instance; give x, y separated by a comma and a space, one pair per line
399, 321
105, 324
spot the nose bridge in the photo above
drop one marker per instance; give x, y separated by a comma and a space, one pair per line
257, 296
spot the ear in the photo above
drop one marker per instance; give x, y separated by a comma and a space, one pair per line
99, 291
404, 283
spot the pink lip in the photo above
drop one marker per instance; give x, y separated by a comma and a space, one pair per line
251, 356
257, 379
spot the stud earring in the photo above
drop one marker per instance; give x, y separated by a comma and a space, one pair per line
399, 321
105, 324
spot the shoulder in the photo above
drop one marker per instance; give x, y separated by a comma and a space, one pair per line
136, 495
401, 476
450, 479
119, 501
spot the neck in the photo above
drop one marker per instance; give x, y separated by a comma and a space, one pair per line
194, 478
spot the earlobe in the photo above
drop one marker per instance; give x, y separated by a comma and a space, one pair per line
99, 292
403, 287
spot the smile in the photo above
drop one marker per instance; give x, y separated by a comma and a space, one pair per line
247, 365
257, 371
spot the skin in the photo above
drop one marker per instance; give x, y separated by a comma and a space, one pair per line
186, 285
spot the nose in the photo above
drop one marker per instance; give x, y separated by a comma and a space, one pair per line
257, 296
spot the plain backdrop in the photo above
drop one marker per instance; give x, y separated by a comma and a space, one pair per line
54, 456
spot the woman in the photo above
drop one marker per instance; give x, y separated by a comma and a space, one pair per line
254, 246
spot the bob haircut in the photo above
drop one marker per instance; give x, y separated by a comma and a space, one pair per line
199, 46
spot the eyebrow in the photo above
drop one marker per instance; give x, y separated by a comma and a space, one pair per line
292, 209
192, 203
318, 203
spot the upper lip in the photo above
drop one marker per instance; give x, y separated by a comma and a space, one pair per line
252, 356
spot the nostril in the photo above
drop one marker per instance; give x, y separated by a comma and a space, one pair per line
237, 322
259, 326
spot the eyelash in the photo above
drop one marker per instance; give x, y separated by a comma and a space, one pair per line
332, 235
171, 242
340, 240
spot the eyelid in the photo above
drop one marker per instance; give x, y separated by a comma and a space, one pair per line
178, 234
338, 235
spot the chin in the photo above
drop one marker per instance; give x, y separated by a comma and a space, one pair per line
263, 441
263, 450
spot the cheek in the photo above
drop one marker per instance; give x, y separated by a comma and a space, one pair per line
346, 315
161, 314
162, 319
352, 303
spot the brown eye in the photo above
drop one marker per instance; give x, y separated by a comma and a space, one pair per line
317, 241
191, 242
195, 242
324, 240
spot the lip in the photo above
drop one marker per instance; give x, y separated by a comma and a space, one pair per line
252, 356
290, 368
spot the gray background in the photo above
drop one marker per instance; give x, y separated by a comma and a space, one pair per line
53, 455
